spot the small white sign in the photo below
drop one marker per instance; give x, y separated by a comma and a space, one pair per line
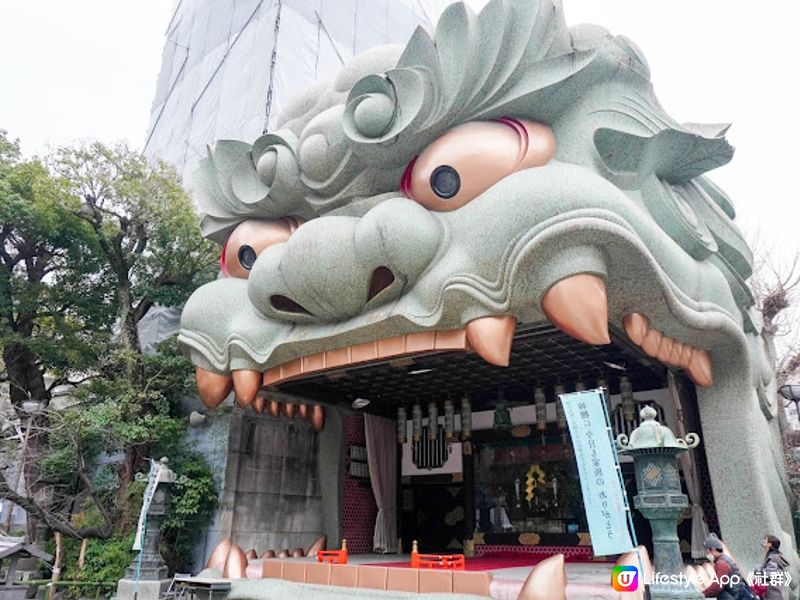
153, 478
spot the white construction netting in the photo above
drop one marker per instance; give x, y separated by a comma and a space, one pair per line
228, 65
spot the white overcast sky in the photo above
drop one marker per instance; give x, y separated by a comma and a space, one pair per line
84, 69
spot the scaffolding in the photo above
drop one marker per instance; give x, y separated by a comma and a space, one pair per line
228, 67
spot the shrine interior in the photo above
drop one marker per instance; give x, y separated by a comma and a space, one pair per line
507, 485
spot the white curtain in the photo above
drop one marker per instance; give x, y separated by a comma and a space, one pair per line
382, 461
687, 464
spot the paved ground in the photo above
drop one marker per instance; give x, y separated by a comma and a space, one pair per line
599, 573
579, 572
278, 589
587, 581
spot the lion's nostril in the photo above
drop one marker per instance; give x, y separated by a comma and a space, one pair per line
285, 304
382, 278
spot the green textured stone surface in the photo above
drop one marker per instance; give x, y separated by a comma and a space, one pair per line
625, 197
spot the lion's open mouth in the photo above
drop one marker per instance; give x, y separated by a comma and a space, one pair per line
576, 306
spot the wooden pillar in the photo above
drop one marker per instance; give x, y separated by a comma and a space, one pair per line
469, 488
399, 498
56, 565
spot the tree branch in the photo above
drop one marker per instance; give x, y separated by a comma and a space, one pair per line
57, 515
108, 522
144, 305
53, 521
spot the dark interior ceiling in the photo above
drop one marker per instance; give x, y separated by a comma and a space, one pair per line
540, 355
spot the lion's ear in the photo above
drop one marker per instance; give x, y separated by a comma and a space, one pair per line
675, 155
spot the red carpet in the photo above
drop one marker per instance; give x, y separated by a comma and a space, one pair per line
486, 563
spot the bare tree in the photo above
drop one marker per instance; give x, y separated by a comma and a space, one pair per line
72, 505
775, 284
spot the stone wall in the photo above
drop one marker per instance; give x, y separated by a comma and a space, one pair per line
272, 497
280, 483
278, 502
211, 440
331, 458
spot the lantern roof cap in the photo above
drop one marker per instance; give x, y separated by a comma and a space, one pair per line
653, 437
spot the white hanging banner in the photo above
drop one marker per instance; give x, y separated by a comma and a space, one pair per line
153, 478
598, 466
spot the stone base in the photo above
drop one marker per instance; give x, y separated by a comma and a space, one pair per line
13, 592
150, 567
25, 575
130, 589
674, 592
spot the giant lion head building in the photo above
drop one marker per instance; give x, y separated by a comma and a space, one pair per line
462, 226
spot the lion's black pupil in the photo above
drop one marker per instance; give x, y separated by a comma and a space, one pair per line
247, 257
445, 182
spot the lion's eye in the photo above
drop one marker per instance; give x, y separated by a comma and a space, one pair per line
445, 182
469, 159
247, 257
250, 239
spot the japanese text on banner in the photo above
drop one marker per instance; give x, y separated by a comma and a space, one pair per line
603, 495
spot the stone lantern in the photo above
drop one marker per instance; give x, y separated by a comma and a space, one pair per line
655, 449
146, 577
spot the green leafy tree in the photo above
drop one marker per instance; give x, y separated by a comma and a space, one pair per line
52, 294
194, 500
53, 318
145, 226
150, 242
89, 246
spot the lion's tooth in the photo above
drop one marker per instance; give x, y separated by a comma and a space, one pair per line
578, 306
491, 338
636, 326
691, 574
699, 369
235, 564
651, 342
289, 408
212, 387
686, 356
675, 355
318, 417
259, 404
547, 580
302, 411
664, 352
246, 383
219, 555
273, 408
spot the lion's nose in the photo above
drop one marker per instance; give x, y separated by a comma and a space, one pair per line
334, 268
381, 279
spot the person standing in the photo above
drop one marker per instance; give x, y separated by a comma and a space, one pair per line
773, 570
729, 584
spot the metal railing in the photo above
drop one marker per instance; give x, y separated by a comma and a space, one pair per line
102, 589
